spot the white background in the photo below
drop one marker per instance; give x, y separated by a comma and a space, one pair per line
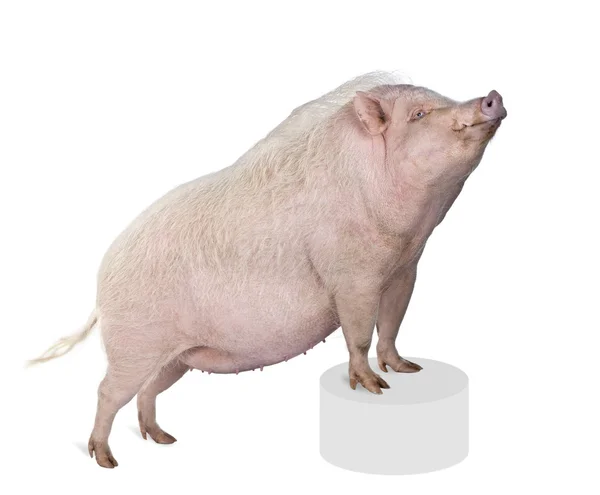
104, 106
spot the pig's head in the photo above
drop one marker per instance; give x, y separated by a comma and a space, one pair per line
426, 135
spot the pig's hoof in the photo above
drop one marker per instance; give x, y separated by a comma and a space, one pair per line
369, 380
162, 436
104, 456
398, 364
157, 434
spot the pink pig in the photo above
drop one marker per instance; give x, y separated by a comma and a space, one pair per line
320, 224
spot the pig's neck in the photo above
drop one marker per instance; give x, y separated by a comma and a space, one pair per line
397, 201
411, 204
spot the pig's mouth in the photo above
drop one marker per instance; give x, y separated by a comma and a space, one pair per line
490, 124
479, 132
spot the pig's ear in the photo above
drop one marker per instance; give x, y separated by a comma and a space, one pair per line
371, 114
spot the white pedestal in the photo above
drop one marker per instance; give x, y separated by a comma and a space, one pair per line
419, 424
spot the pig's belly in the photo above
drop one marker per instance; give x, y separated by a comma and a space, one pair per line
250, 335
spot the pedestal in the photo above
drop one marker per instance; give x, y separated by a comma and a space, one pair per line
419, 424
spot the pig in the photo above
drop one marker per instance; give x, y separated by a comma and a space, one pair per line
321, 224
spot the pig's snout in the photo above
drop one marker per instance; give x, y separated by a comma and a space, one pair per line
492, 107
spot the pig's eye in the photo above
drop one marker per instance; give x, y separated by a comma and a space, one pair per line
418, 114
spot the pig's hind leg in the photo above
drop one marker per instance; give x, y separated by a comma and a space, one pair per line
117, 388
134, 356
146, 401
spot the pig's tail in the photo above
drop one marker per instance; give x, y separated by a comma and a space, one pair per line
65, 344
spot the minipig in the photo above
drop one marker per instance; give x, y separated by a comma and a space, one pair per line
321, 224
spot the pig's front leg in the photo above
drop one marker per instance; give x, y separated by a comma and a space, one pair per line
357, 313
392, 308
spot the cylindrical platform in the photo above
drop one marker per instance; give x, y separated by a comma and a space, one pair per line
420, 424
